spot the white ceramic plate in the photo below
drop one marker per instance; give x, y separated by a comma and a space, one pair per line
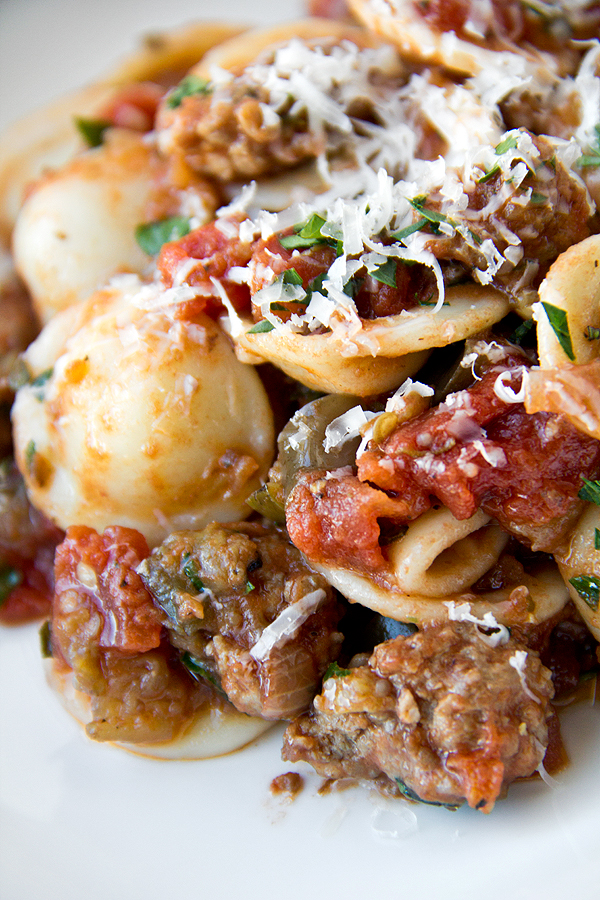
80, 821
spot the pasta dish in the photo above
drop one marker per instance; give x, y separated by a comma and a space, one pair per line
300, 371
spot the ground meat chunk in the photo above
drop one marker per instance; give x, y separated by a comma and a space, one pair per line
441, 713
227, 135
107, 631
223, 591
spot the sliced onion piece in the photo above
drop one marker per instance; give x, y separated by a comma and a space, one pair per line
215, 730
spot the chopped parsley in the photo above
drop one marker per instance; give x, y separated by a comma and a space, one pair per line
261, 327
431, 215
593, 157
386, 272
335, 671
588, 588
152, 235
190, 570
560, 326
188, 87
590, 491
309, 234
410, 229
200, 671
509, 143
596, 538
92, 130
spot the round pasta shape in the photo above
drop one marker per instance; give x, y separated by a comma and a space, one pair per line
567, 381
142, 418
544, 592
216, 729
441, 555
77, 228
382, 352
579, 564
572, 285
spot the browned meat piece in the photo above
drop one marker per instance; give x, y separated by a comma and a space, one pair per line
228, 592
556, 215
225, 134
106, 629
440, 713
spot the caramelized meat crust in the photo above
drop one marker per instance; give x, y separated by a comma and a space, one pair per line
224, 590
442, 714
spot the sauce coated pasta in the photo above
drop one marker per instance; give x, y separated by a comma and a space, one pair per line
308, 429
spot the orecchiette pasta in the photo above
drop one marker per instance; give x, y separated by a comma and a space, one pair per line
377, 214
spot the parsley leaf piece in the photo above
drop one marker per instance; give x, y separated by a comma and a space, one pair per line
596, 538
590, 491
200, 671
488, 175
538, 199
306, 235
190, 570
152, 235
187, 87
521, 331
591, 333
386, 272
410, 229
10, 578
92, 130
291, 276
335, 671
560, 326
588, 588
430, 214
509, 143
46, 640
593, 157
261, 327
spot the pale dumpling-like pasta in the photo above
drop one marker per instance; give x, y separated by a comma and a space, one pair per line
77, 227
138, 416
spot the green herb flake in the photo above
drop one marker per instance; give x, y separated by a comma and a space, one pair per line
200, 671
590, 491
291, 276
386, 272
588, 588
261, 327
538, 199
596, 538
188, 87
10, 578
433, 216
591, 333
560, 326
410, 229
307, 234
521, 331
249, 587
92, 130
593, 157
41, 379
152, 235
509, 143
488, 175
335, 671
190, 570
